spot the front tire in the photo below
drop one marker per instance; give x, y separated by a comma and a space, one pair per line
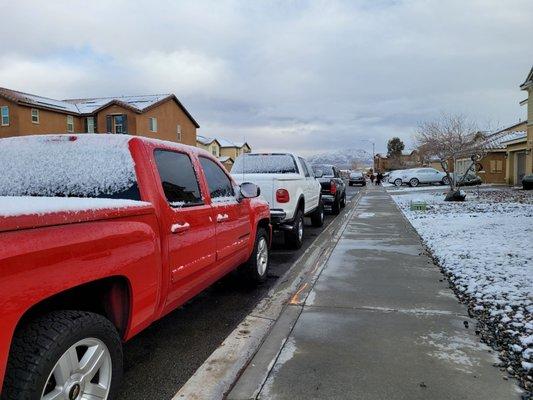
67, 353
317, 217
414, 182
398, 182
294, 236
445, 180
343, 200
256, 268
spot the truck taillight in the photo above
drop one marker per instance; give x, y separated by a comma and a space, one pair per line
333, 187
282, 196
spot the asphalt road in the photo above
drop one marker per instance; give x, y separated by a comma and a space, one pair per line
159, 360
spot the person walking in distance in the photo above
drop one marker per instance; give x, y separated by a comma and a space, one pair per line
379, 178
372, 177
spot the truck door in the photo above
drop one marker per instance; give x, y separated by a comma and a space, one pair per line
187, 225
311, 191
233, 227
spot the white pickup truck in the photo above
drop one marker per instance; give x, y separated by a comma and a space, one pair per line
288, 184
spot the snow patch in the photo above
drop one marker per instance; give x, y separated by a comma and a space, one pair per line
66, 165
11, 206
482, 244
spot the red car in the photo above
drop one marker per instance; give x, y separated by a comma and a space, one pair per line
100, 236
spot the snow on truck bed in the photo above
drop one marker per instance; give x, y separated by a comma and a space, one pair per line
12, 206
485, 246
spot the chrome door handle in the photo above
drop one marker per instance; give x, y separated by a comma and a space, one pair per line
177, 228
222, 217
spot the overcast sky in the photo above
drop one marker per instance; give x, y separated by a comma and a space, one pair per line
307, 76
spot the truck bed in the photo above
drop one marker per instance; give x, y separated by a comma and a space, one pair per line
24, 212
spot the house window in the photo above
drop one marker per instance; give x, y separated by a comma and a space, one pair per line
116, 123
214, 151
178, 132
153, 124
89, 125
4, 112
496, 166
34, 115
70, 123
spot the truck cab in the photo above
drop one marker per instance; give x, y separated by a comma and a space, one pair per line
101, 236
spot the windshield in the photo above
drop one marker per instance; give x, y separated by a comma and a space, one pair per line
327, 170
68, 166
265, 164
356, 175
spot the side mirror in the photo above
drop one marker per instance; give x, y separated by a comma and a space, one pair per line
249, 190
319, 173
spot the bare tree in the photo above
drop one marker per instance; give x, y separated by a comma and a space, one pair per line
448, 138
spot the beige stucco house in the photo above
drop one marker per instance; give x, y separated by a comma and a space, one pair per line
225, 150
520, 154
209, 144
233, 149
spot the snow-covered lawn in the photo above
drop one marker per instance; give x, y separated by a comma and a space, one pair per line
485, 246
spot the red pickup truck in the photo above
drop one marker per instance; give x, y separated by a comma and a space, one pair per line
101, 235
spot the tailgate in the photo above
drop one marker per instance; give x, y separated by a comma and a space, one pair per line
325, 184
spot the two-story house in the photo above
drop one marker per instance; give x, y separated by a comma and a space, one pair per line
156, 116
233, 149
225, 150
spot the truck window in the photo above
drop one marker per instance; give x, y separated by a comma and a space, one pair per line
220, 186
304, 167
178, 178
273, 163
327, 170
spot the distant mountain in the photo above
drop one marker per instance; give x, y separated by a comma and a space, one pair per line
343, 158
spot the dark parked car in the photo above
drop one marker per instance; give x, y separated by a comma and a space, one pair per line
470, 179
527, 182
357, 178
333, 187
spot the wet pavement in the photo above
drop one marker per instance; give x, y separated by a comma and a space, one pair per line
163, 357
379, 323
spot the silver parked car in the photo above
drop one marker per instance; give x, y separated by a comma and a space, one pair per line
416, 176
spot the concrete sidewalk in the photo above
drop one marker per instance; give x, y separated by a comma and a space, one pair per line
379, 323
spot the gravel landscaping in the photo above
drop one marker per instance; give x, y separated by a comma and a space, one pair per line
484, 247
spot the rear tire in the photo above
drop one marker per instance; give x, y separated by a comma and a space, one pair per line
255, 270
317, 217
445, 180
76, 337
414, 182
294, 236
343, 201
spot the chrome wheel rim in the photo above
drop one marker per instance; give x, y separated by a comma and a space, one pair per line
262, 256
414, 182
83, 372
321, 215
300, 229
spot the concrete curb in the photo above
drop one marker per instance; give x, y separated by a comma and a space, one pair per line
216, 376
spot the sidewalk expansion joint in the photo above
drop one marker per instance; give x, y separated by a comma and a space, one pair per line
416, 311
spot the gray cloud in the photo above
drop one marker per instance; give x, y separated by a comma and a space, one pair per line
304, 75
